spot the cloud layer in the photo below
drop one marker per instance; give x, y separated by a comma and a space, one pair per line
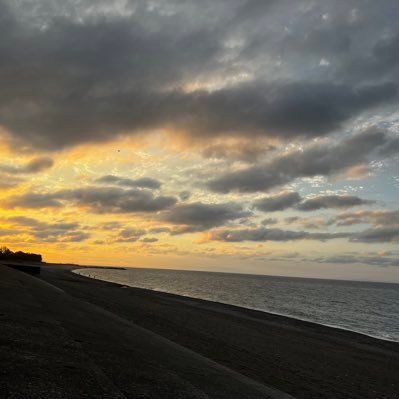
143, 182
225, 111
83, 81
294, 200
97, 199
262, 234
324, 159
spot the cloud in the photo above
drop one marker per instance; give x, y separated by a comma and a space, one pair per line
36, 165
239, 150
31, 200
321, 159
314, 110
378, 234
159, 230
143, 182
269, 221
10, 174
184, 195
54, 235
179, 230
294, 200
379, 217
198, 216
381, 261
26, 221
385, 225
278, 202
262, 234
332, 201
267, 92
115, 200
198, 71
49, 232
75, 93
309, 222
129, 235
149, 240
110, 226
97, 199
381, 60
7, 181
8, 232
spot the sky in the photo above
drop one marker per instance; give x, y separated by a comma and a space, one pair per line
250, 136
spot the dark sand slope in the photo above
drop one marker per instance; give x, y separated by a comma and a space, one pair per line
56, 345
38, 358
304, 359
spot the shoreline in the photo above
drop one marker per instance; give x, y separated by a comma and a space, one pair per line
134, 342
55, 345
266, 312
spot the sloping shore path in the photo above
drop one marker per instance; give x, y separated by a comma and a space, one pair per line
56, 345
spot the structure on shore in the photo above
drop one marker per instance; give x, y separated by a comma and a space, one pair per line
7, 255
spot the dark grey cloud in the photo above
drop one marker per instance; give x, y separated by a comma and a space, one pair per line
292, 219
36, 165
346, 36
325, 159
264, 234
111, 225
269, 221
85, 78
54, 235
199, 216
143, 182
159, 230
60, 231
10, 173
7, 181
384, 225
278, 202
97, 199
187, 229
116, 200
129, 235
381, 60
314, 109
82, 75
384, 217
27, 221
241, 151
33, 200
9, 232
99, 242
332, 201
378, 235
184, 195
376, 260
391, 148
149, 240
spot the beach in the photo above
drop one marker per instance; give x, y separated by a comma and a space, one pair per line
82, 337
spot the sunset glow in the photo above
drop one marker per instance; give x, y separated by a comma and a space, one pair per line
174, 135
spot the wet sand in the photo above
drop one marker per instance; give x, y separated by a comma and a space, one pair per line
145, 344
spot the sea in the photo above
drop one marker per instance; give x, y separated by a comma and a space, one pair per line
366, 307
